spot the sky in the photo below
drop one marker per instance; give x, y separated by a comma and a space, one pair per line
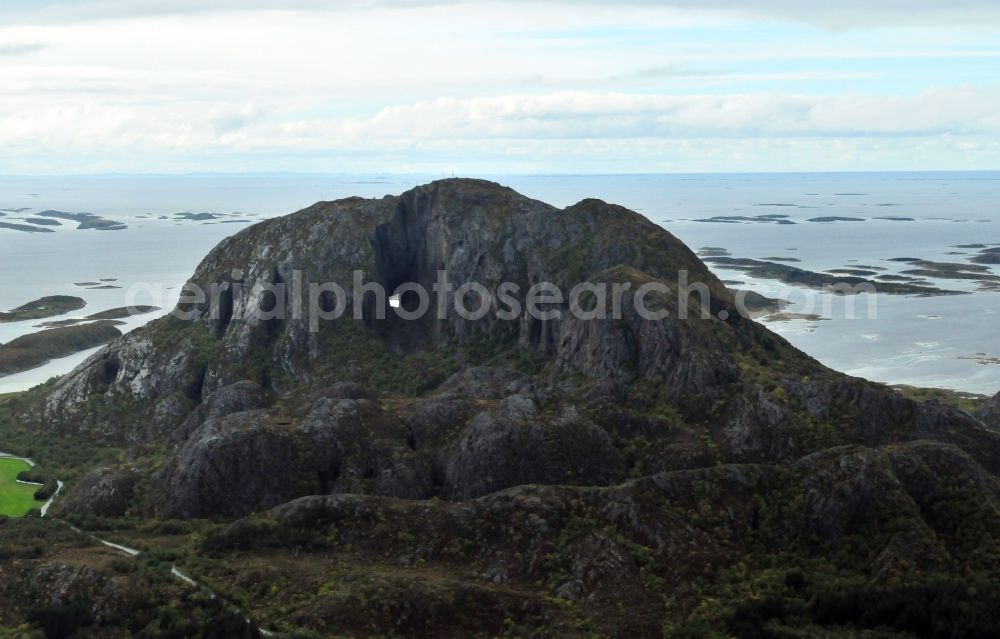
517, 86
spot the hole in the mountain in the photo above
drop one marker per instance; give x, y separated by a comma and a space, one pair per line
400, 258
109, 371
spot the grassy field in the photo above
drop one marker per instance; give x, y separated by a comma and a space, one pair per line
15, 499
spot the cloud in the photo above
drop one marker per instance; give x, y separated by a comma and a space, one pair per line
514, 85
499, 122
585, 115
842, 14
21, 48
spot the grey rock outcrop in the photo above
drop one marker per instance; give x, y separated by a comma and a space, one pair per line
511, 445
231, 465
104, 492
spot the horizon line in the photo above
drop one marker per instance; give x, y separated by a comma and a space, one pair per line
479, 174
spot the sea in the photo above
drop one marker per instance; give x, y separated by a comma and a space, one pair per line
946, 342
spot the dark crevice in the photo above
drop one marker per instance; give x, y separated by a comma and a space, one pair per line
194, 390
271, 316
437, 476
225, 311
272, 305
326, 479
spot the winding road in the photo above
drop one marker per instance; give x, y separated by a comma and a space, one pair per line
131, 552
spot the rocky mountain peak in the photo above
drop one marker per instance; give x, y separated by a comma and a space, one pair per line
264, 400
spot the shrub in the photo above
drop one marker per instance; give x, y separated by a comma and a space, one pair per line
46, 491
59, 621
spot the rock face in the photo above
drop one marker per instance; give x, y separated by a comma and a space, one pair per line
230, 464
266, 402
105, 492
344, 441
513, 444
472, 231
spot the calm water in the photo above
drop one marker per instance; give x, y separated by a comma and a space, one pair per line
938, 341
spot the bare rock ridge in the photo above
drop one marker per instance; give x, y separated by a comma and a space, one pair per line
264, 410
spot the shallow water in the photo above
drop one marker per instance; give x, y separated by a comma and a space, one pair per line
920, 341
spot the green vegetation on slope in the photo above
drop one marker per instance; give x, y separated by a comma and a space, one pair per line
60, 583
969, 402
6, 397
63, 458
755, 557
15, 499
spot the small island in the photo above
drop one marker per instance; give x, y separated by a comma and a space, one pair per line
791, 317
125, 311
43, 308
86, 220
755, 304
197, 217
36, 349
770, 218
840, 284
835, 218
25, 228
987, 256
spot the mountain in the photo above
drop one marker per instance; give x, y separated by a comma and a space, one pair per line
561, 476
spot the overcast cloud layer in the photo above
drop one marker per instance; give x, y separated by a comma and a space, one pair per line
722, 85
841, 14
